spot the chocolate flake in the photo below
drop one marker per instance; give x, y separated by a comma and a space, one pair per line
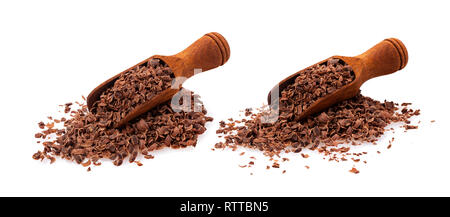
354, 170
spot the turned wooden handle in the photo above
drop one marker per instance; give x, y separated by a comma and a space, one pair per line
386, 57
208, 52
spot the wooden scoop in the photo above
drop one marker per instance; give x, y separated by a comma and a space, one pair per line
208, 52
386, 57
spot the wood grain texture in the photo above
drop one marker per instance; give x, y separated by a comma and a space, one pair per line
208, 52
386, 57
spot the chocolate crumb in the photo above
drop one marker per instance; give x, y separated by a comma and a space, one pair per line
354, 170
276, 165
41, 125
409, 127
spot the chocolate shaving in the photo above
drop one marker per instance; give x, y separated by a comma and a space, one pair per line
354, 170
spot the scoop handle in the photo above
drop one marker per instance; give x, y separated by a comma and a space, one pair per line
208, 52
384, 58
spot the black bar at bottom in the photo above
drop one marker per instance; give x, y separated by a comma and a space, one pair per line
220, 206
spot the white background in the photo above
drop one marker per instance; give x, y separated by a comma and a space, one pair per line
52, 52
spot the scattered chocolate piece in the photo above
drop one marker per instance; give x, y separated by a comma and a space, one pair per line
354, 170
149, 156
409, 127
52, 159
87, 163
67, 107
276, 165
50, 125
41, 125
39, 135
248, 112
355, 160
